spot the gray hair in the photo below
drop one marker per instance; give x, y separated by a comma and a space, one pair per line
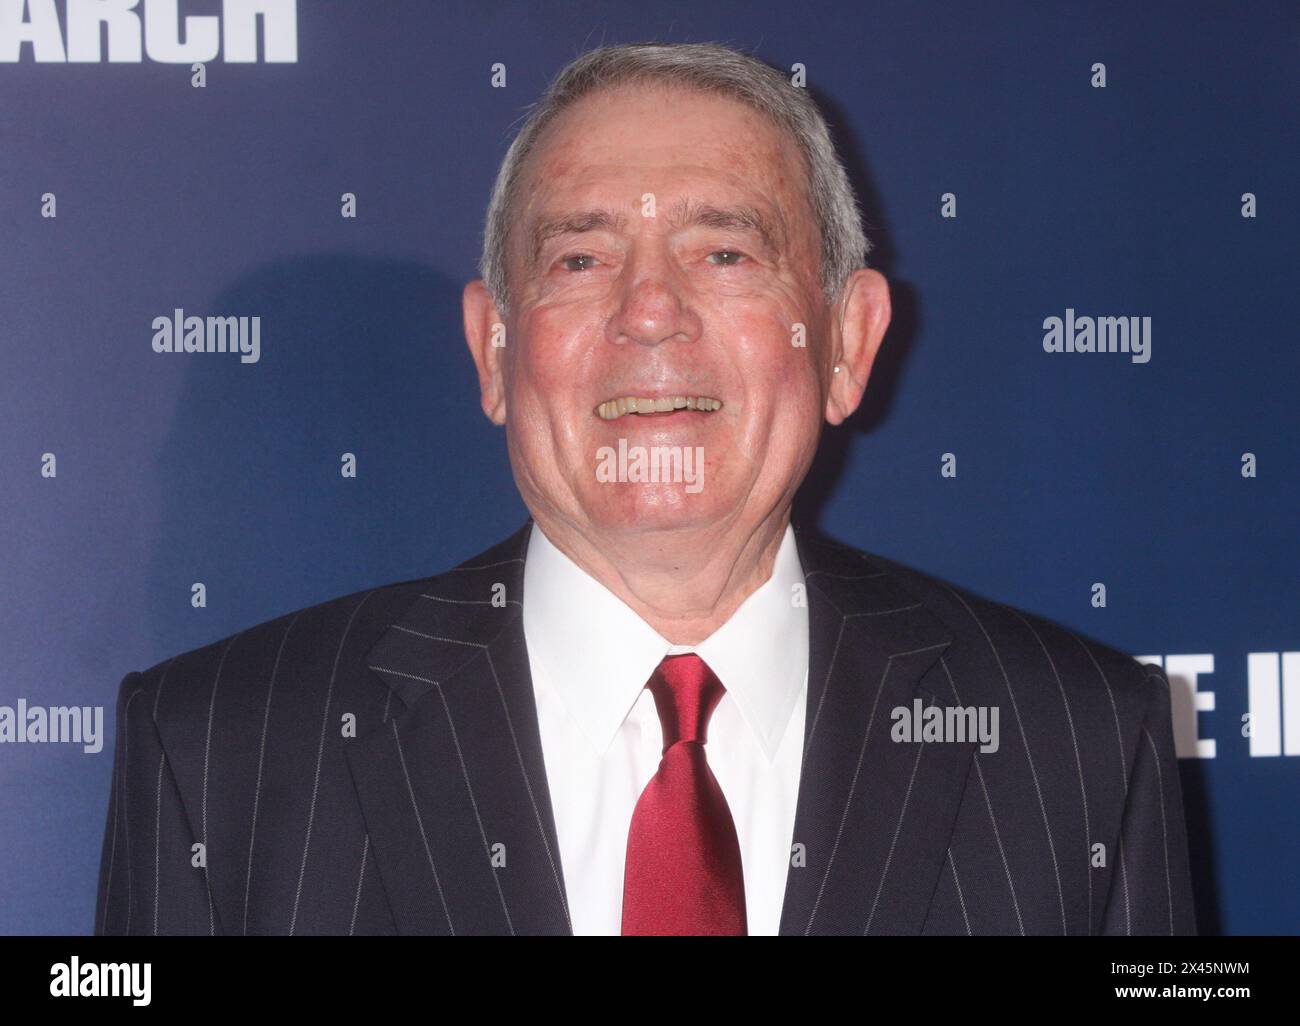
708, 67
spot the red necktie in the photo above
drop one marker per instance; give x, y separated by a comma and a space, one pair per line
683, 873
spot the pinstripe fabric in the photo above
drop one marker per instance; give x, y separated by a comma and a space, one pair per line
240, 803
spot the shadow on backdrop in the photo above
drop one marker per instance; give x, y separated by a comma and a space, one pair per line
358, 356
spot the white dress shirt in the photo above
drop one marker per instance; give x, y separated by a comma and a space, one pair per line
591, 656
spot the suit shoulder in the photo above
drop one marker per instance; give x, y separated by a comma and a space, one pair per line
308, 645
303, 653
1002, 636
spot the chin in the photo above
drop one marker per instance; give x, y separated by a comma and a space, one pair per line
665, 507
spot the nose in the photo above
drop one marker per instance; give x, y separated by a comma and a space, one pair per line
652, 308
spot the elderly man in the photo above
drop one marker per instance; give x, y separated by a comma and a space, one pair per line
658, 708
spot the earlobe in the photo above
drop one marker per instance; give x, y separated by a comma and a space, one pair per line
494, 405
840, 397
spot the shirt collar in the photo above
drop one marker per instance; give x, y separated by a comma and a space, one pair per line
597, 654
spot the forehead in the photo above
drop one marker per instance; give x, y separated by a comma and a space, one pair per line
651, 137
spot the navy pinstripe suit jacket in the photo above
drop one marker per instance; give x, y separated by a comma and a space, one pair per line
372, 764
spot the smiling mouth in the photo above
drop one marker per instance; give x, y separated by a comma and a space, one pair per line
612, 409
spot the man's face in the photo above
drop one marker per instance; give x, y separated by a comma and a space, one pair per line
663, 248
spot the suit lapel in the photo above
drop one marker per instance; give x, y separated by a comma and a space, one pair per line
452, 781
873, 815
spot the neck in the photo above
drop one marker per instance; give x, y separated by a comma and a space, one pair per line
684, 583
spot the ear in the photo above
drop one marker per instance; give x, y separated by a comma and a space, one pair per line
485, 335
859, 322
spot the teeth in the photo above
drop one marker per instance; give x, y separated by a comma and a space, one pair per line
612, 409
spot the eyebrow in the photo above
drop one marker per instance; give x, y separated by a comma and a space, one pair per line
573, 224
682, 214
738, 218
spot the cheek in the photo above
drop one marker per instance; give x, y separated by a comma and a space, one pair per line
546, 366
546, 404
774, 364
539, 364
780, 391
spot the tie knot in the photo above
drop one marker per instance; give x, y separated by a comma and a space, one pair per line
686, 692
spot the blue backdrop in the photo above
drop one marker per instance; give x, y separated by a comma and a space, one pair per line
126, 192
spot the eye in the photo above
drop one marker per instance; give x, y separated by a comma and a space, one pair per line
568, 261
735, 254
